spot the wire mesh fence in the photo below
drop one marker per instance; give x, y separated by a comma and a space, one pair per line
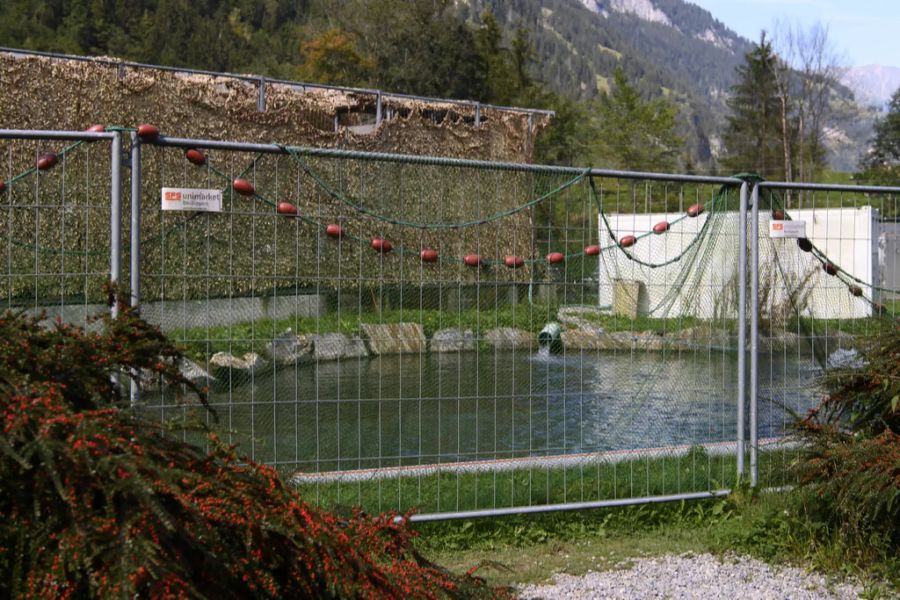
55, 216
820, 293
464, 337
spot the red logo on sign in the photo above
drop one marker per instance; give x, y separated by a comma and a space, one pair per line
172, 196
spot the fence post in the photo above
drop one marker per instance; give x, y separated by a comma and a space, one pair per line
378, 109
115, 215
742, 335
135, 240
261, 95
754, 335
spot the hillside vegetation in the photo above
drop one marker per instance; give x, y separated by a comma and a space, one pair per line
556, 54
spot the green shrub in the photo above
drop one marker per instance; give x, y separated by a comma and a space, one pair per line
850, 469
98, 502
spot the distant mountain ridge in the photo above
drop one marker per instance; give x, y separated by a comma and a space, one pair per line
667, 48
873, 84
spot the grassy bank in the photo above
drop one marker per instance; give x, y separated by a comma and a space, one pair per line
530, 549
252, 336
695, 471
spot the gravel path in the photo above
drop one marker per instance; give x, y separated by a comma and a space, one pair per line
694, 576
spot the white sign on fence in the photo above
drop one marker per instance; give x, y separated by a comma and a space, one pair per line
192, 199
787, 229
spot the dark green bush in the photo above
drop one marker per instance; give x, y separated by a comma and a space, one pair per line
850, 468
97, 502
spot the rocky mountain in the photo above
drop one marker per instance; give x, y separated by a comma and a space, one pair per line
873, 84
668, 48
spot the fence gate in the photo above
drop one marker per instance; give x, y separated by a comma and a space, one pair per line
459, 337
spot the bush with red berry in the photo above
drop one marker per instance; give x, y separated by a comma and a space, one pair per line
100, 502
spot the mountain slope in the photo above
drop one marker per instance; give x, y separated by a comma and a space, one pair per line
666, 47
669, 48
873, 84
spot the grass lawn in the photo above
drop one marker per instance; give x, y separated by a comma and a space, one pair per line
696, 471
531, 549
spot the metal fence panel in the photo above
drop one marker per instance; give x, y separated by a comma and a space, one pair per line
461, 337
57, 208
817, 296
397, 380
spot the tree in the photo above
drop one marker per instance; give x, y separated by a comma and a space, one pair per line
102, 501
754, 135
333, 57
882, 165
632, 133
419, 46
807, 71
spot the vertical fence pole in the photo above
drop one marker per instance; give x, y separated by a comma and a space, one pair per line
742, 334
378, 110
115, 215
754, 334
135, 239
261, 95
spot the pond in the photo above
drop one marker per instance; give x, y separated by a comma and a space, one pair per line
439, 408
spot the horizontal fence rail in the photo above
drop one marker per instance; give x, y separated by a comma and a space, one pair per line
458, 337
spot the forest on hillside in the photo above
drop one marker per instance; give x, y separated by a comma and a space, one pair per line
624, 89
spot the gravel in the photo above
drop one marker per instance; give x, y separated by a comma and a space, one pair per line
694, 576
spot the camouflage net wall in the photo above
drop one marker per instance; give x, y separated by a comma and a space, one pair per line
45, 93
52, 216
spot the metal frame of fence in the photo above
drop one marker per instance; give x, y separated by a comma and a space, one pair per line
749, 202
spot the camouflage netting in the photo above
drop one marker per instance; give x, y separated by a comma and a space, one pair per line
43, 93
56, 216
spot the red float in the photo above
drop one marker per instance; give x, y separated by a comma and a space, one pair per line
243, 187
146, 131
334, 231
856, 290
195, 156
472, 260
695, 210
661, 227
513, 262
46, 161
96, 129
2, 186
804, 244
778, 214
830, 268
627, 241
428, 255
554, 258
381, 245
592, 250
287, 209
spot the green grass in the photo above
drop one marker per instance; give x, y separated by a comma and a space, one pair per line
252, 336
768, 526
697, 471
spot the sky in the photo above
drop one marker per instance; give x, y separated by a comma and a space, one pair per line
863, 31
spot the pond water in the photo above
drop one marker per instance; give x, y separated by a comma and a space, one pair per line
436, 408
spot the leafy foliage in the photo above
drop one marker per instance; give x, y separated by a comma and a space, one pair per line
882, 165
633, 134
850, 473
754, 135
99, 502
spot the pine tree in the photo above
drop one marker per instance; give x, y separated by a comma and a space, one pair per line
882, 165
632, 133
754, 136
